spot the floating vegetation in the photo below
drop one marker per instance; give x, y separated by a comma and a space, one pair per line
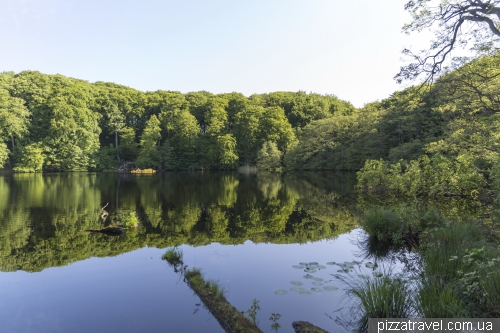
303, 263
308, 276
331, 263
310, 270
320, 267
317, 283
363, 276
317, 279
281, 292
317, 290
298, 266
371, 265
346, 270
377, 274
305, 292
330, 288
296, 283
297, 289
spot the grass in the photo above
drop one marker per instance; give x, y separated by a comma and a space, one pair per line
383, 297
173, 256
212, 294
382, 224
459, 274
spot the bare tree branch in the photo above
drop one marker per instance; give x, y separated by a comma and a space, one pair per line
448, 19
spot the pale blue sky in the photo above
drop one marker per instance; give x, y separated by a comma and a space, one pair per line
348, 48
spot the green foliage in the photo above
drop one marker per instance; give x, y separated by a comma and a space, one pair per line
382, 224
131, 221
30, 158
149, 156
382, 297
128, 148
274, 318
173, 256
269, 157
336, 143
4, 154
434, 177
253, 310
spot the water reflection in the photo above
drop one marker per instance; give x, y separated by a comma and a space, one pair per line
42, 217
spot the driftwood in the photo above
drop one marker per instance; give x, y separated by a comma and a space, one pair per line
104, 213
306, 327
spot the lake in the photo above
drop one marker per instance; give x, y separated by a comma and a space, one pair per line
246, 231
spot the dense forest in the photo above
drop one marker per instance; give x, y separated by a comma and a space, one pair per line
55, 123
439, 139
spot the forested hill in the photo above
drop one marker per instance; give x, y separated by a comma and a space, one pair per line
51, 122
55, 123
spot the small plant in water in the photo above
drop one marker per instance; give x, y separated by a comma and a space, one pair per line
274, 318
252, 312
173, 256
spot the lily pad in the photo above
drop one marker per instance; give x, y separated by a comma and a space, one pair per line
313, 263
310, 270
345, 270
377, 274
331, 263
366, 277
296, 283
305, 292
320, 267
298, 266
297, 289
308, 276
317, 283
281, 292
318, 279
371, 265
303, 263
330, 288
317, 290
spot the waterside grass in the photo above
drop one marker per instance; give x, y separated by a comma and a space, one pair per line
173, 256
380, 297
212, 295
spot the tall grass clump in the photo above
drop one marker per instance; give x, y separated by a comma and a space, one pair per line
382, 224
441, 244
173, 256
380, 297
460, 276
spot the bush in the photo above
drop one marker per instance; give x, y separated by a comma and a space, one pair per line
382, 224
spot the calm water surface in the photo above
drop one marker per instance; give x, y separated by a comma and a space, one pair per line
247, 231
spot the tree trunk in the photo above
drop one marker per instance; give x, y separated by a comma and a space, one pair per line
13, 145
116, 146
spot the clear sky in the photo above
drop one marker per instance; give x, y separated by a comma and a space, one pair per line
351, 49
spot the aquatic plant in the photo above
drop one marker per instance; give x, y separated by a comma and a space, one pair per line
382, 224
274, 318
173, 256
252, 311
380, 297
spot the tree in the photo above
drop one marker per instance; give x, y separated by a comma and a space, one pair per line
149, 157
14, 117
269, 156
456, 23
